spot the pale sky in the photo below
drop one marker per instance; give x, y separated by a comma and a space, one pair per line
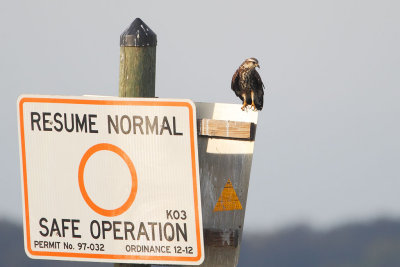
327, 147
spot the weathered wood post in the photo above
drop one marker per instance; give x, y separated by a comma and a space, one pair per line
137, 69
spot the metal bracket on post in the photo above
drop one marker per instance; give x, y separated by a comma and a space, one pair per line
225, 146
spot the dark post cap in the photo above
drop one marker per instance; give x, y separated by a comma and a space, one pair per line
138, 34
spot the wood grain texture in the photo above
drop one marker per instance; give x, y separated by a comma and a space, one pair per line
226, 129
137, 71
221, 238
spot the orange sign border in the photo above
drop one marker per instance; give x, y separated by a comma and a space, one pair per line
31, 99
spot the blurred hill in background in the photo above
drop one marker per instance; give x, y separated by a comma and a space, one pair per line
373, 244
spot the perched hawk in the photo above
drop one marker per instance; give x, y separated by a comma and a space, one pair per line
247, 84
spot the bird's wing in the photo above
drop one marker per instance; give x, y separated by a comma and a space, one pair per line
259, 91
235, 84
260, 84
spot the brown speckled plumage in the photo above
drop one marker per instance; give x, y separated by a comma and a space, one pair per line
247, 80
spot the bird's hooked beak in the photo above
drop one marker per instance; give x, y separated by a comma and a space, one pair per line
258, 66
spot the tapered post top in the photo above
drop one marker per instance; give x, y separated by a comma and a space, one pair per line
138, 34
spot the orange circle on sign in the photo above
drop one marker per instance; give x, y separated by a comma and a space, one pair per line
125, 157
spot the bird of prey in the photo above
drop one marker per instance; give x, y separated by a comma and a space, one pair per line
247, 84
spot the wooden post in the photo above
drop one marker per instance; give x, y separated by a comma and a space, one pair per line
137, 69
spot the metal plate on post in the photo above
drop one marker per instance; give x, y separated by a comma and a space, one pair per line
225, 163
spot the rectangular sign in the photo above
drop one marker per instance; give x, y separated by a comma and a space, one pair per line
110, 179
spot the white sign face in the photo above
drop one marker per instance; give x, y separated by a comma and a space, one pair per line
110, 179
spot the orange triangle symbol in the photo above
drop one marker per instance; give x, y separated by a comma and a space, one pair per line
228, 199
